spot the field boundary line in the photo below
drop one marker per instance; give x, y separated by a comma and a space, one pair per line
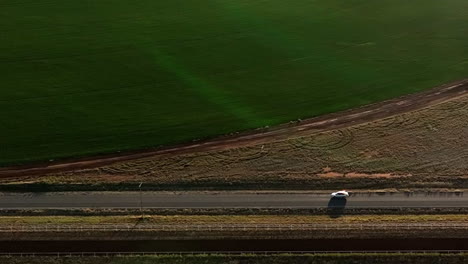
225, 227
364, 114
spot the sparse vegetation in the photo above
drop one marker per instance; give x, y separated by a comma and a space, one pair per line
234, 219
428, 258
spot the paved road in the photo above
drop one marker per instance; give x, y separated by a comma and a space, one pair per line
225, 200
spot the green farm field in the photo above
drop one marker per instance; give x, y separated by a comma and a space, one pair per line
87, 77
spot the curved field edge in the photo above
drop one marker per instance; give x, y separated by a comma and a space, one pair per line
334, 121
98, 77
423, 148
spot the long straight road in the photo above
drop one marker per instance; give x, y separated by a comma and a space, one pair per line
225, 200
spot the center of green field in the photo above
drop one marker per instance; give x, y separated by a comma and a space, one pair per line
88, 77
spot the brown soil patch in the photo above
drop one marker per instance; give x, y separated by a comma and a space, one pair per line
332, 174
329, 173
370, 175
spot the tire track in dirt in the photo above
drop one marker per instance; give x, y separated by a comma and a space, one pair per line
323, 123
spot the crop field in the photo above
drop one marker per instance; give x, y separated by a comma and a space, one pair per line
427, 148
87, 77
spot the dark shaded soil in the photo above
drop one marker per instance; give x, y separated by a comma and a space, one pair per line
236, 245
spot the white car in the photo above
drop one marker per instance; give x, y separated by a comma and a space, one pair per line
340, 194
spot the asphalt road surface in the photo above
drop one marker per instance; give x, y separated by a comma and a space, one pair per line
225, 200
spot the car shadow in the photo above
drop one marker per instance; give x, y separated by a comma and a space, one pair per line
336, 207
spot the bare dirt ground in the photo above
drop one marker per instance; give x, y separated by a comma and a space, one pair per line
415, 141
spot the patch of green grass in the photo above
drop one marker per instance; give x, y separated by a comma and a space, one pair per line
231, 219
88, 77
